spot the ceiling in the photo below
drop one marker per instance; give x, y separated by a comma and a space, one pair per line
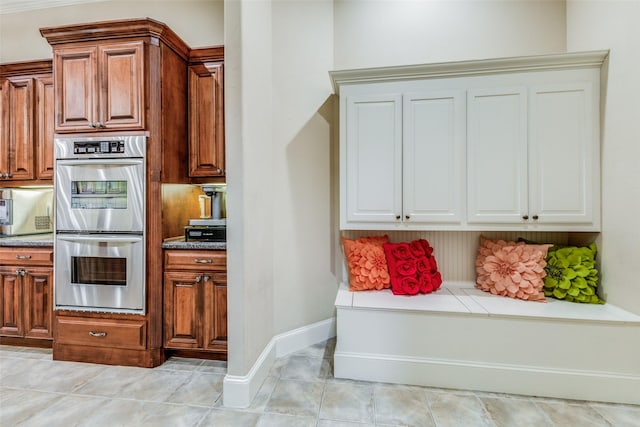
13, 6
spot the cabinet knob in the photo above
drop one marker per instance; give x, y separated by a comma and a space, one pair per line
398, 217
525, 217
198, 279
206, 278
101, 125
407, 217
21, 272
219, 171
535, 217
93, 125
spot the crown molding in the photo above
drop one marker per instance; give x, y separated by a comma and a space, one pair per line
468, 68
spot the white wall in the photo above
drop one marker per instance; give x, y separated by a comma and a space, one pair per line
376, 33
304, 285
198, 22
611, 24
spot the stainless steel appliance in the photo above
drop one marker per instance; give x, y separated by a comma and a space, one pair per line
26, 210
212, 227
99, 254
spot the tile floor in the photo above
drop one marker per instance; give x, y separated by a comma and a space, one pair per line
300, 391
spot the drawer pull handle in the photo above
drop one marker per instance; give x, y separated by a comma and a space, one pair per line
97, 334
23, 256
203, 261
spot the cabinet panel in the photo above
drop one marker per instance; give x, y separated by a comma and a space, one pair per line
11, 304
75, 76
45, 127
497, 155
19, 106
121, 74
562, 170
433, 144
216, 313
373, 159
38, 311
93, 332
183, 308
206, 120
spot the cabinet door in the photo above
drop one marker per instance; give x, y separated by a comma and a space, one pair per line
182, 309
75, 74
497, 155
371, 160
215, 306
38, 312
11, 303
121, 99
20, 106
562, 147
433, 153
44, 127
206, 120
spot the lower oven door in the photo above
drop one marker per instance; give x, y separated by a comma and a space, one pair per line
100, 272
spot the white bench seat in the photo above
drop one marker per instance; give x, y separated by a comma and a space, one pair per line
461, 337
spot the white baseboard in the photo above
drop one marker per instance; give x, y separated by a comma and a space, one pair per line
239, 390
501, 378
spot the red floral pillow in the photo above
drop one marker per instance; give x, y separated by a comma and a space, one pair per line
412, 267
367, 263
512, 270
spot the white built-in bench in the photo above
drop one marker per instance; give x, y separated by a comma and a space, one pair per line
463, 338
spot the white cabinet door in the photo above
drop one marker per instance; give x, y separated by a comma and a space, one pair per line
562, 148
433, 156
497, 155
373, 168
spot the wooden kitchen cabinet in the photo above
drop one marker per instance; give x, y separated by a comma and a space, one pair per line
26, 132
26, 281
99, 87
195, 300
206, 113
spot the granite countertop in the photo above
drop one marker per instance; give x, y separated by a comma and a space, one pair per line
179, 243
34, 240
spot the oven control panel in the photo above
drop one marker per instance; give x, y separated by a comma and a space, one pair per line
98, 147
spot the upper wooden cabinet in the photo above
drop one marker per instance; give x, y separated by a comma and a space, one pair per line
502, 144
26, 131
206, 113
99, 87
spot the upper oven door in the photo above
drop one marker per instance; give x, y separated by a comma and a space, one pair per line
100, 195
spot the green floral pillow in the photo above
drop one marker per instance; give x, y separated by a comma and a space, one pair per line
571, 274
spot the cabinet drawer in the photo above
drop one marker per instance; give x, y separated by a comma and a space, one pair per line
26, 256
130, 334
195, 260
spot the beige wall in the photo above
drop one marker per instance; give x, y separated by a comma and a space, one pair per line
611, 24
390, 32
198, 22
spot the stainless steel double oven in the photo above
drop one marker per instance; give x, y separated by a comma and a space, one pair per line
100, 223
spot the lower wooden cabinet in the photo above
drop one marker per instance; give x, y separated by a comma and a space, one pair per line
26, 308
195, 301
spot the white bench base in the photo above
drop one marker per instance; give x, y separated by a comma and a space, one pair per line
464, 338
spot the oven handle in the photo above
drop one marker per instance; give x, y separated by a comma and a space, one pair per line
84, 162
100, 238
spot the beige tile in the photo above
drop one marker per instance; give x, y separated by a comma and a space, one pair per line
619, 415
261, 398
292, 397
306, 369
572, 414
112, 381
45, 375
278, 420
213, 367
200, 389
67, 411
398, 405
17, 406
155, 385
228, 417
509, 412
122, 412
331, 423
180, 364
450, 409
347, 402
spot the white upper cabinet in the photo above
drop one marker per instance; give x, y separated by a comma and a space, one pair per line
373, 159
501, 144
433, 144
